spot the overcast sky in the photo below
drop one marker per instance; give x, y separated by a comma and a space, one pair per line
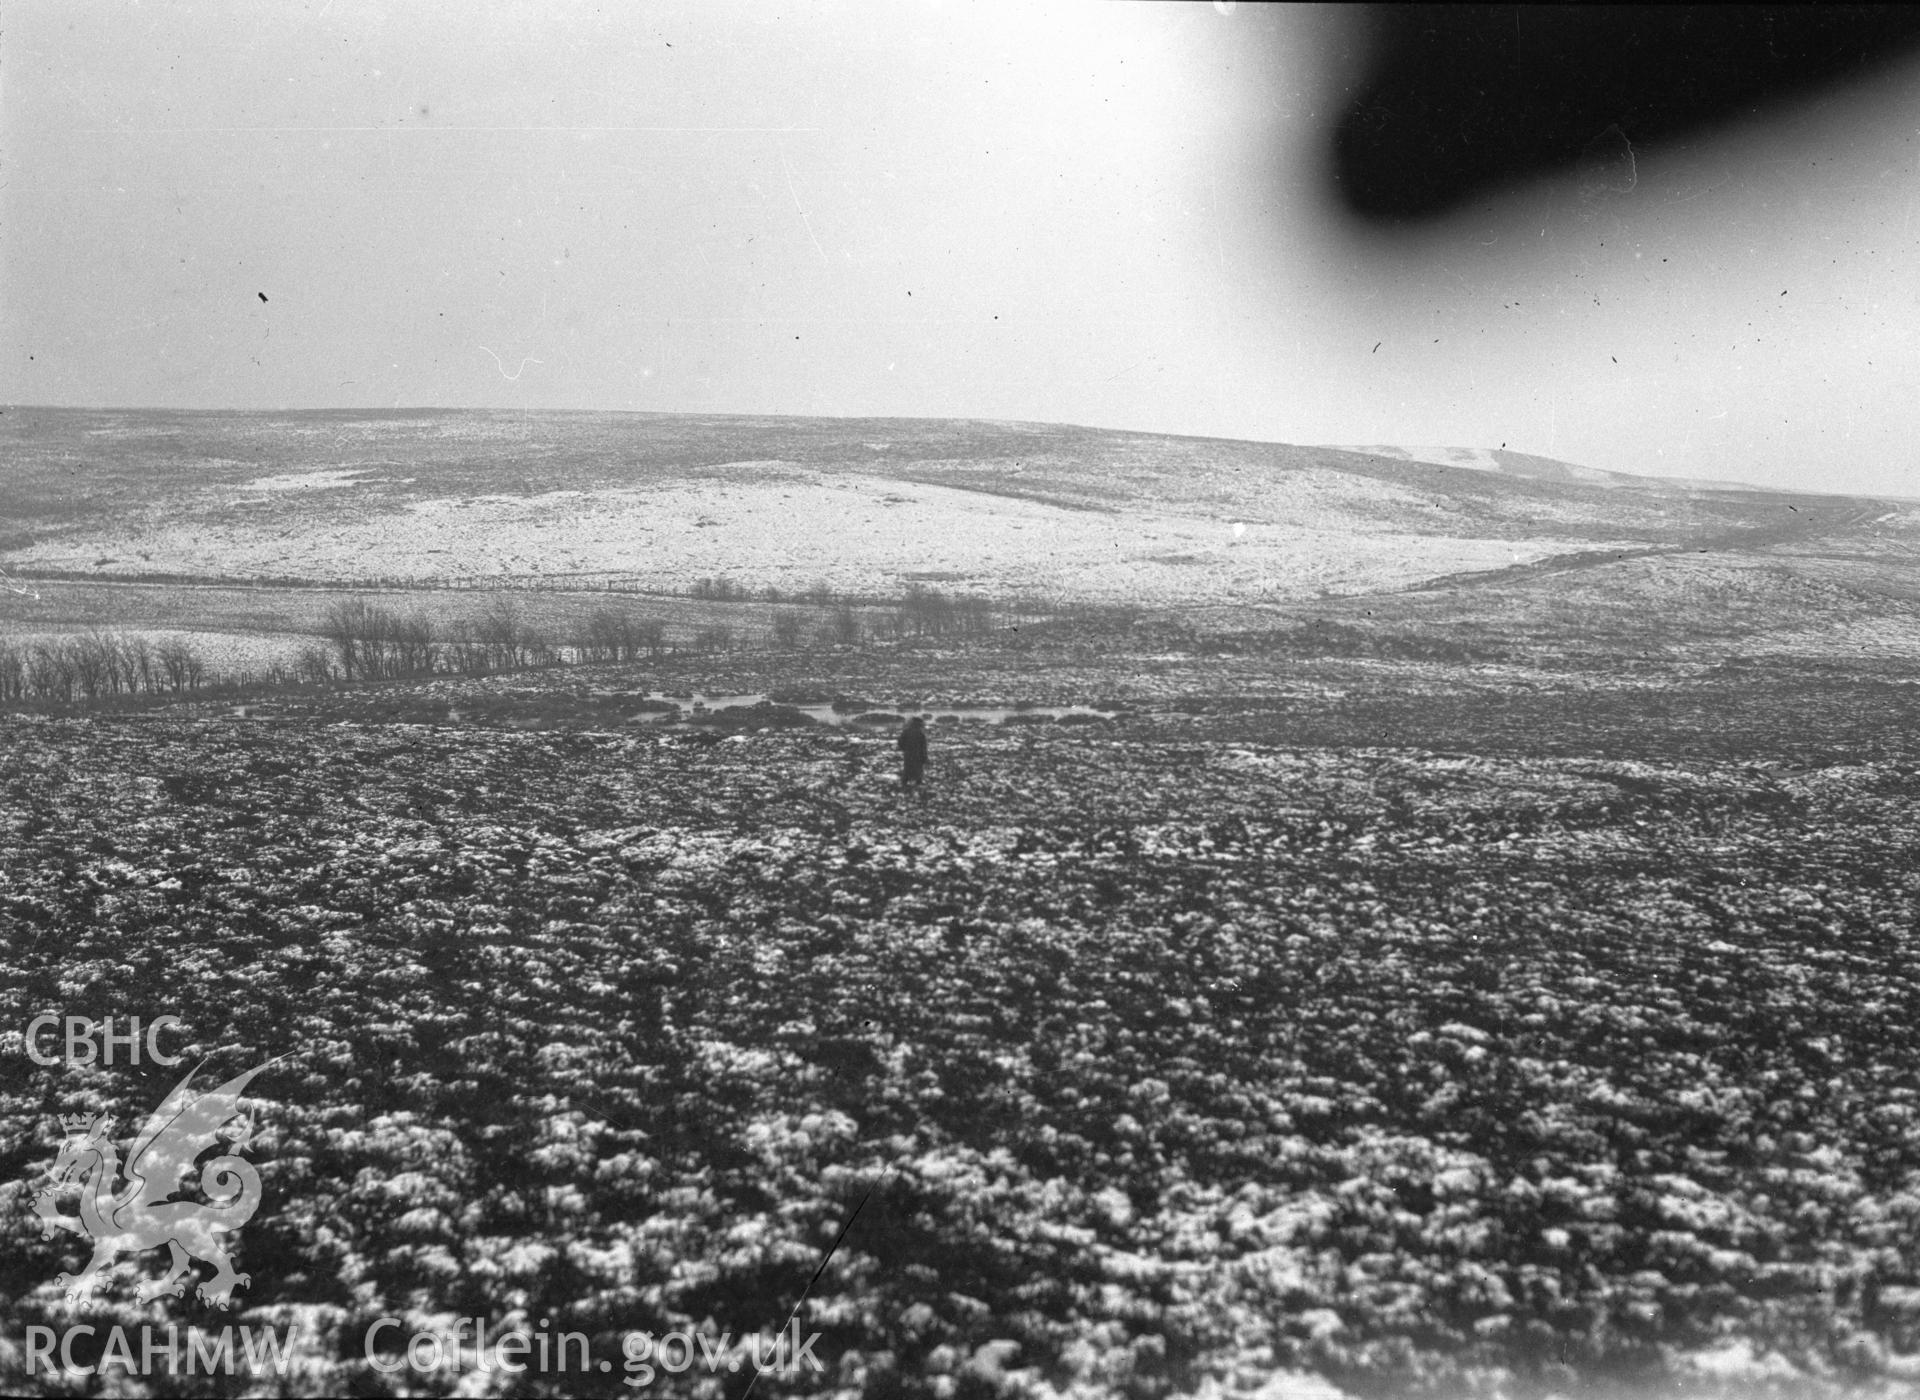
1112, 215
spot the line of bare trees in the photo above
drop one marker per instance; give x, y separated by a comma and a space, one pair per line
364, 641
929, 612
922, 612
606, 634
360, 640
95, 665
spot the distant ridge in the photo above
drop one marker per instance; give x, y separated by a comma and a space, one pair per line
1522, 464
870, 506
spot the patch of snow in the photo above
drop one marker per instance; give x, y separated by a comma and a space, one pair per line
323, 479
1473, 459
1735, 1361
1307, 534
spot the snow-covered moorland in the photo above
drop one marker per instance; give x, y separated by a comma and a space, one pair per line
1153, 1062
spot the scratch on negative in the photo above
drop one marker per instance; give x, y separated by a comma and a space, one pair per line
529, 360
805, 222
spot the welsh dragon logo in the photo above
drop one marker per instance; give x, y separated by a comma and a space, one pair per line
141, 1216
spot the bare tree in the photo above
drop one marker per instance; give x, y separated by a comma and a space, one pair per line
313, 663
417, 650
94, 670
176, 659
466, 651
138, 654
50, 671
502, 630
349, 627
845, 625
609, 634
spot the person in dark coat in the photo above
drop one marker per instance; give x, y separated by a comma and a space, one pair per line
913, 750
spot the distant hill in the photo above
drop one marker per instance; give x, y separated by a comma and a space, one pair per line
1523, 464
864, 505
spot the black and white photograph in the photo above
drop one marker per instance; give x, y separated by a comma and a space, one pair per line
959, 700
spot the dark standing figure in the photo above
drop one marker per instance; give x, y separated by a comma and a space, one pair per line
913, 749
